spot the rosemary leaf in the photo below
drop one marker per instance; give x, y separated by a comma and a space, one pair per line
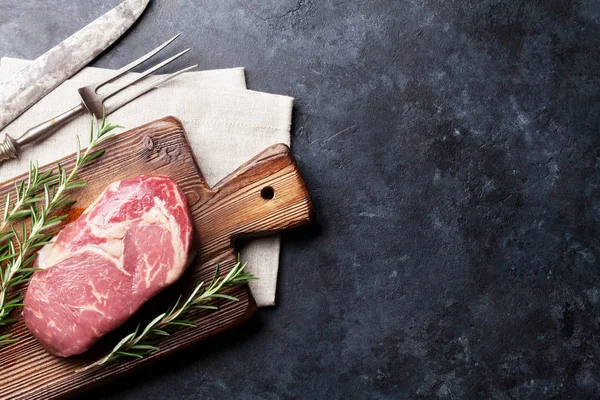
182, 323
205, 307
160, 332
94, 155
224, 296
7, 338
144, 347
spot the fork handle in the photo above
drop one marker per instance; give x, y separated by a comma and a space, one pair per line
48, 127
11, 147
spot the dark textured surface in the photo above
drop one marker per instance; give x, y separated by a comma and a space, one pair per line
452, 151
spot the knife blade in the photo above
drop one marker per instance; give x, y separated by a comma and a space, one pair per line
27, 87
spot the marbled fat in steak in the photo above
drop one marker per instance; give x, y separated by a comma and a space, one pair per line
133, 241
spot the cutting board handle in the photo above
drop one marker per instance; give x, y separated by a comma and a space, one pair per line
264, 195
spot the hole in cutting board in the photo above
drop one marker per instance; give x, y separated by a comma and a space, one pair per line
267, 193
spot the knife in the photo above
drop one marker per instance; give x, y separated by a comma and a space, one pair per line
27, 87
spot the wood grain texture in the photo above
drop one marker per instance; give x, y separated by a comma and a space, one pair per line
234, 207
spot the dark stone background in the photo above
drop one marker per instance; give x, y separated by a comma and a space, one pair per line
452, 152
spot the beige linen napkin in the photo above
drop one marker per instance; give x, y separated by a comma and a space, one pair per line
226, 125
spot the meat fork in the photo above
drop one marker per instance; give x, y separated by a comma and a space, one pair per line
93, 102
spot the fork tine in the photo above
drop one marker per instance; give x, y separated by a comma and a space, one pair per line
120, 103
144, 74
122, 71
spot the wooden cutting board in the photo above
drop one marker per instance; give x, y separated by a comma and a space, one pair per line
267, 194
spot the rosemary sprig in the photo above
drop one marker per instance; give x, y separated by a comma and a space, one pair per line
15, 263
140, 343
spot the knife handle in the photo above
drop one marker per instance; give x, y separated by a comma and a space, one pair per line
11, 148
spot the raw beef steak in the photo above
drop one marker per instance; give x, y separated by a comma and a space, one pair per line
133, 241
